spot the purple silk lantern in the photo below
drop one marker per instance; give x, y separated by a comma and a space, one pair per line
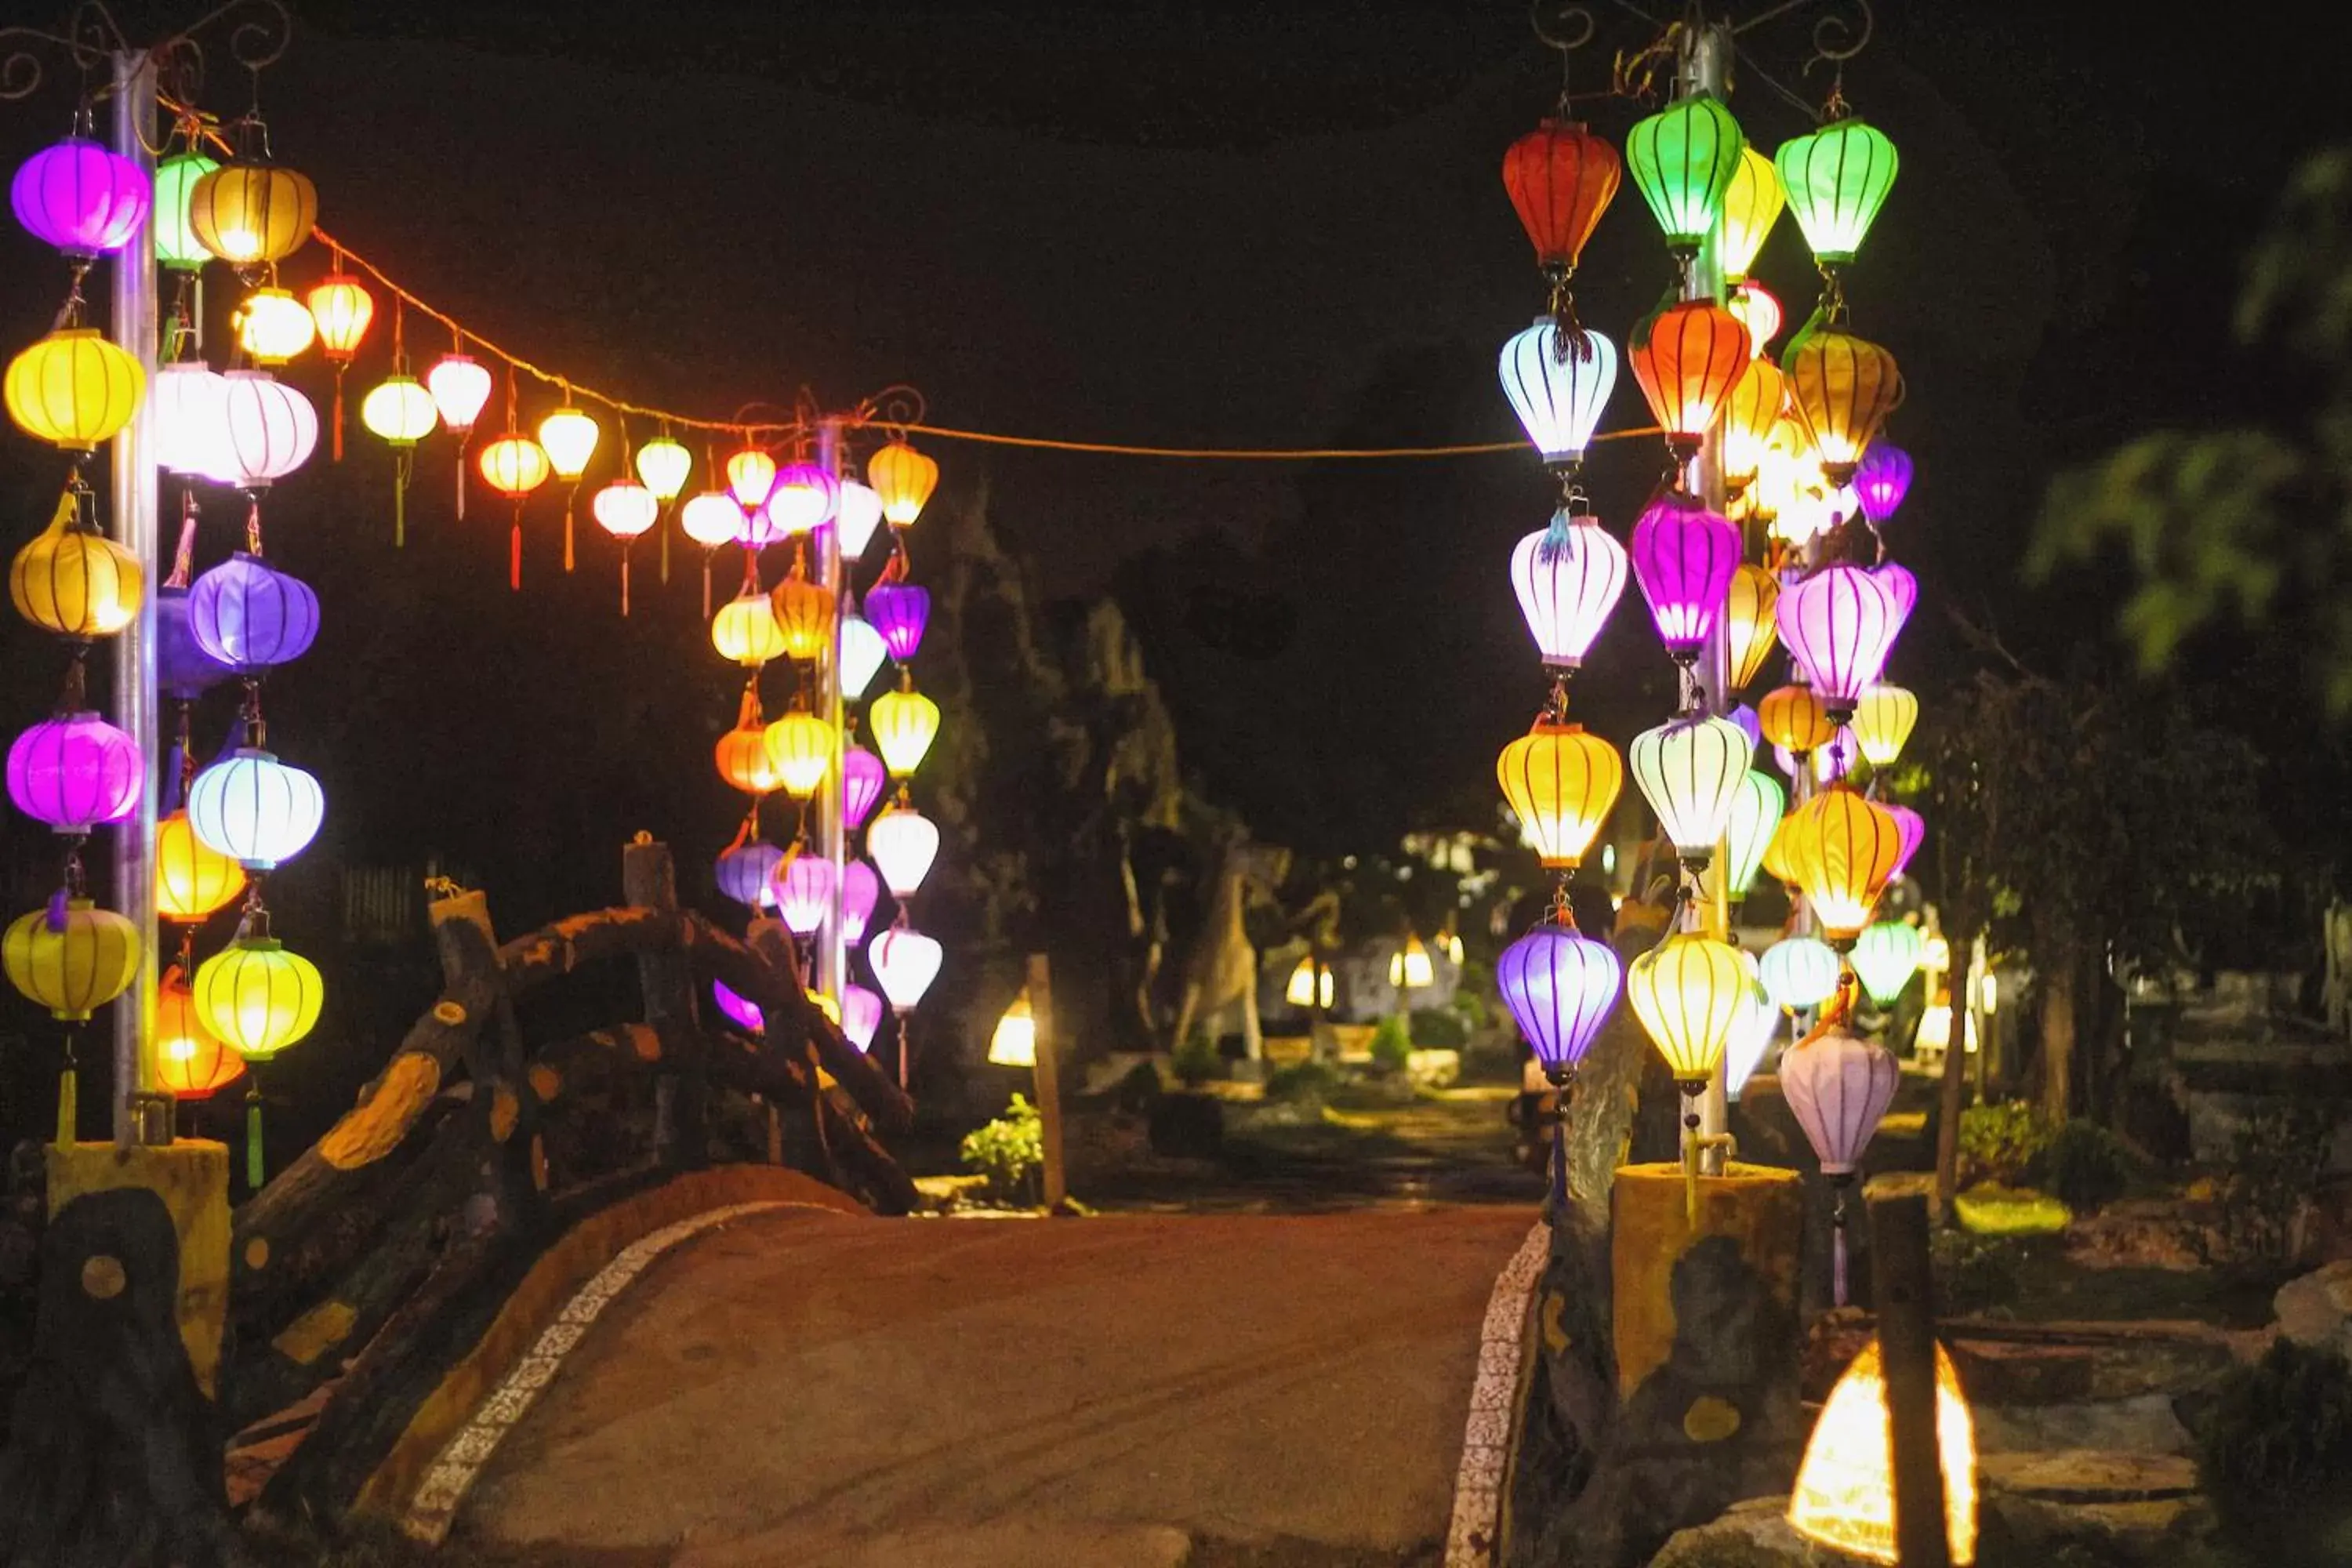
1684, 557
1900, 585
1559, 985
250, 615
1883, 480
75, 771
1838, 1086
82, 198
1838, 625
1914, 830
861, 1015
1753, 727
803, 892
863, 780
859, 889
742, 1014
743, 870
899, 611
183, 669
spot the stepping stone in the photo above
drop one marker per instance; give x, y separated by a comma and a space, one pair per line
2090, 1476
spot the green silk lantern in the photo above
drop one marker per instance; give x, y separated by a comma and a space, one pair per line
1683, 158
176, 245
1836, 180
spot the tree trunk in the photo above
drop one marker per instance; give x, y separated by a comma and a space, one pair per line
1955, 1080
2058, 995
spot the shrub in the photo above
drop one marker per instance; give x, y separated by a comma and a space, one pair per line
2278, 1158
1302, 1080
1974, 1274
1198, 1060
1999, 1143
2278, 1439
1391, 1044
1137, 1091
1007, 1149
1438, 1029
2086, 1165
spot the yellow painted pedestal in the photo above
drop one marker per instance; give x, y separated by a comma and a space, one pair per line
192, 1178
1758, 1209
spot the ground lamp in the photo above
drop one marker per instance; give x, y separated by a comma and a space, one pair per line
1567, 578
1882, 718
803, 892
258, 811
1689, 770
77, 197
1682, 159
1559, 985
72, 581
1560, 782
903, 479
1309, 984
1838, 624
1843, 388
1755, 815
1013, 1042
903, 843
1885, 956
1836, 179
1684, 558
1838, 1086
1883, 480
1686, 359
904, 724
863, 779
1841, 850
1410, 968
1558, 384
1845, 1494
72, 389
1797, 972
1688, 992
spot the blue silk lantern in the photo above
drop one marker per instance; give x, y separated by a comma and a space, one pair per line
743, 870
251, 616
183, 669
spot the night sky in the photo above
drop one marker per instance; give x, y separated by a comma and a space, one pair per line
1175, 225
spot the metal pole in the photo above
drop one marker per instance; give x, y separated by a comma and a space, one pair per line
832, 841
134, 647
1706, 68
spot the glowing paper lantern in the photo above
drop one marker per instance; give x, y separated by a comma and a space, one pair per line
1561, 178
662, 467
1013, 1042
268, 430
80, 198
856, 516
805, 612
1559, 389
1883, 480
75, 582
802, 500
745, 629
863, 779
70, 956
903, 479
399, 411
1837, 623
1842, 387
1911, 829
1682, 159
899, 611
183, 669
1837, 178
626, 509
1745, 717
1684, 558
257, 997
1751, 1037
1751, 203
742, 754
1754, 406
1883, 719
189, 399
1559, 985
750, 475
246, 212
1793, 720
1748, 627
1885, 956
1686, 358
1901, 586
863, 652
190, 1061
1409, 967
860, 887
176, 245
250, 615
1754, 817
906, 962
569, 437
514, 466
192, 879
1689, 770
1566, 586
905, 722
1845, 1494
460, 386
1759, 309
72, 389
742, 872
800, 747
272, 326
1839, 1087
340, 309
803, 892
1560, 782
255, 809
1688, 992
903, 843
75, 771
1799, 972
1840, 851
861, 1015
711, 519
743, 1014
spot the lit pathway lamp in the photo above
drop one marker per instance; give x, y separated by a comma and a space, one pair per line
1023, 1037
1845, 1494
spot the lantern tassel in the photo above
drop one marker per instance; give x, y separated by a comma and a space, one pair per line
665, 572
338, 436
1837, 1254
567, 535
1559, 1155
624, 583
461, 481
514, 554
706, 582
1555, 539
68, 1098
254, 1172
400, 468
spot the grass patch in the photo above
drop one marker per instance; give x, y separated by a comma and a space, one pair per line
1992, 1210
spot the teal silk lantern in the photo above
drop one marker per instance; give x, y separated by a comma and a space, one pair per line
1836, 180
1682, 159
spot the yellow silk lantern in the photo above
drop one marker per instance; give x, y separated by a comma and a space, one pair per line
1840, 852
399, 411
79, 963
73, 582
1751, 203
514, 466
904, 723
1688, 992
1845, 1494
1560, 782
1843, 388
1882, 718
257, 997
73, 389
342, 308
1757, 403
190, 1062
1794, 719
742, 753
903, 479
569, 437
192, 879
244, 212
750, 475
804, 613
800, 751
272, 326
745, 629
663, 465
1748, 627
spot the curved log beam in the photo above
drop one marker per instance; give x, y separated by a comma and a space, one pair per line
565, 945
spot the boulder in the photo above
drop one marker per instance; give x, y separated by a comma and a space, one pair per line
2147, 1423
2127, 1510
1752, 1535
2314, 1310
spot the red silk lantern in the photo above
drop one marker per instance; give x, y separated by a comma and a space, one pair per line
1687, 361
1562, 178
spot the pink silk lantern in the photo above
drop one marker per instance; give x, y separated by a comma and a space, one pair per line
1838, 1086
804, 890
1883, 480
1568, 578
1913, 829
744, 1015
74, 771
860, 887
861, 1015
1684, 557
1901, 586
1837, 624
82, 198
863, 780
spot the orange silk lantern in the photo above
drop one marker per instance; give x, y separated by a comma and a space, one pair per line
804, 611
192, 879
1840, 851
742, 752
1794, 719
1747, 622
1560, 782
190, 1061
1687, 360
343, 308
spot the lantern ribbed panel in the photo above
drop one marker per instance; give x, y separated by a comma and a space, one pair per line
1748, 627
899, 611
742, 872
1755, 816
79, 197
75, 585
183, 669
1911, 828
73, 389
1688, 992
514, 466
268, 430
863, 654
1838, 1088
1689, 771
906, 962
1844, 1492
1883, 480
1835, 179
903, 479
190, 1061
1885, 956
74, 771
856, 515
190, 406
1684, 558
569, 437
903, 724
864, 778
1793, 719
192, 879
663, 467
460, 386
272, 327
1567, 591
1559, 400
805, 614
1759, 309
1751, 203
399, 411
1838, 624
1562, 178
744, 760
256, 810
861, 887
745, 629
750, 475
257, 997
1560, 986
251, 616
902, 843
1753, 407
1560, 782
626, 509
1883, 720
176, 245
1682, 160
1842, 387
710, 520
1902, 589
342, 308
1840, 851
800, 750
1799, 972
801, 503
246, 213
1751, 1033
79, 963
802, 887
1687, 362
861, 1015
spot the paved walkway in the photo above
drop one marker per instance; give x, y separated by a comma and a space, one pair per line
814, 1389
